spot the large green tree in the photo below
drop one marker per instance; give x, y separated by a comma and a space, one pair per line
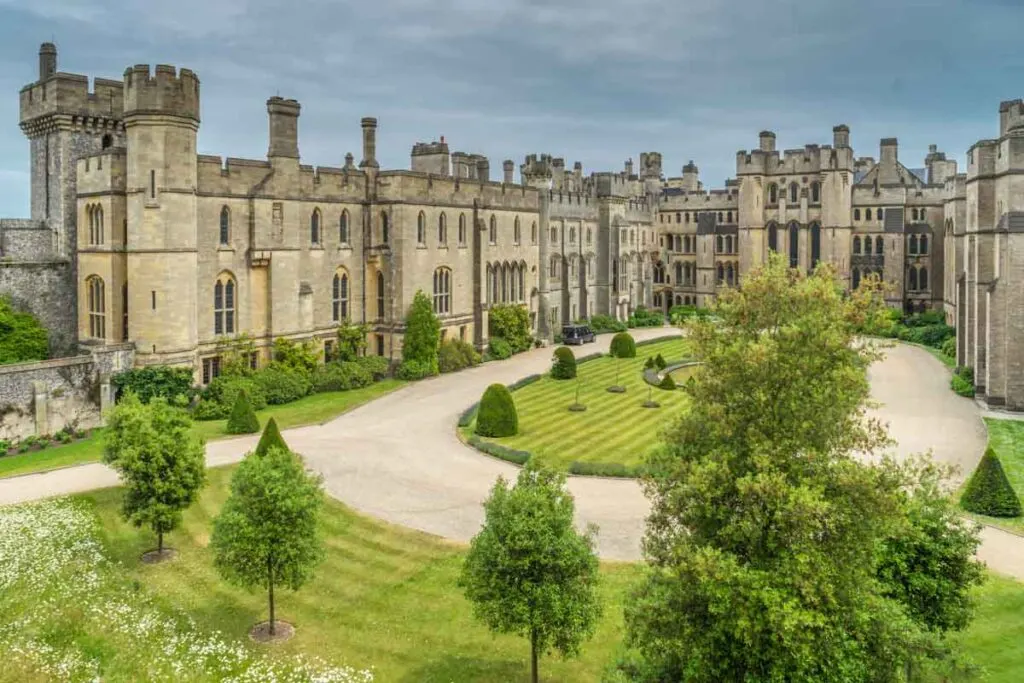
22, 338
159, 459
267, 533
529, 571
421, 339
768, 525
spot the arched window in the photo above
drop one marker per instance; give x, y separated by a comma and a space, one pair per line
856, 214
856, 245
728, 216
225, 225
923, 245
517, 234
856, 278
421, 229
922, 279
590, 236
912, 248
720, 217
339, 296
553, 266
880, 214
442, 229
380, 295
728, 274
632, 237
867, 214
793, 193
794, 245
533, 232
685, 215
224, 305
107, 141
867, 245
912, 280
815, 244
679, 272
95, 213
522, 281
490, 284
721, 274
462, 229
879, 245
815, 192
385, 228
921, 214
343, 235
718, 244
314, 227
773, 193
442, 291
492, 236
554, 235
97, 307
913, 213
773, 237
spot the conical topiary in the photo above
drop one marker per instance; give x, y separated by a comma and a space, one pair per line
667, 383
497, 413
271, 438
659, 362
989, 492
243, 418
649, 363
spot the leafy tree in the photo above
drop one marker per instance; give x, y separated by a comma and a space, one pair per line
422, 338
271, 438
351, 340
510, 322
529, 571
497, 414
266, 534
174, 384
303, 357
22, 337
764, 538
243, 418
159, 459
564, 366
988, 491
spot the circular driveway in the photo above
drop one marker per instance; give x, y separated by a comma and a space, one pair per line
399, 459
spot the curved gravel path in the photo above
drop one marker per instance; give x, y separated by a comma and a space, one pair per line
398, 458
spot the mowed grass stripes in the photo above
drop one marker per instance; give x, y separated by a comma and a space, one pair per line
385, 597
615, 428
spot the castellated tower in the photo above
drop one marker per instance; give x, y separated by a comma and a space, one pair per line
161, 115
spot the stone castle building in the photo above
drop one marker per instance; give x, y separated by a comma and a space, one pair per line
134, 237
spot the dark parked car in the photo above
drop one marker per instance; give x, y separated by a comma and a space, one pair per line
577, 334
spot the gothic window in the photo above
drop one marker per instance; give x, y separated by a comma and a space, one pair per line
339, 297
225, 225
793, 191
856, 245
421, 229
490, 284
678, 216
492, 236
721, 274
442, 229
95, 213
913, 212
522, 281
384, 228
718, 244
314, 227
719, 216
922, 279
867, 245
554, 235
462, 229
728, 274
815, 192
856, 214
442, 291
687, 216
773, 237
856, 278
728, 216
879, 245
343, 235
679, 272
913, 245
923, 245
867, 214
794, 245
553, 267
815, 244
517, 232
912, 285
773, 193
380, 295
96, 292
880, 213
224, 294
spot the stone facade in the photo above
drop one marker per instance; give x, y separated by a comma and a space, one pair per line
172, 251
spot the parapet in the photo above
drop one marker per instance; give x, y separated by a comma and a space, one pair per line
425, 148
166, 92
69, 94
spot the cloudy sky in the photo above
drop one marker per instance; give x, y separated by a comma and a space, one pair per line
591, 80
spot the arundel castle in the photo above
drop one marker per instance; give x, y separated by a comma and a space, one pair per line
134, 238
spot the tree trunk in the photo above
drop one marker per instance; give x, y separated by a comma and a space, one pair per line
270, 583
160, 542
533, 656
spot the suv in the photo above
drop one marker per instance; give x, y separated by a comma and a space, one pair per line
577, 334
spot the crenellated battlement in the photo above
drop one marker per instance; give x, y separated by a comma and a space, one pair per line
70, 94
167, 91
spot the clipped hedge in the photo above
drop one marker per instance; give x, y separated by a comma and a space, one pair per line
589, 357
623, 346
497, 416
989, 492
599, 324
564, 366
525, 381
657, 340
243, 418
605, 469
498, 451
467, 415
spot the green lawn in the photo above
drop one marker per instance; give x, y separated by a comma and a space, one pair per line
309, 410
615, 428
384, 597
1006, 437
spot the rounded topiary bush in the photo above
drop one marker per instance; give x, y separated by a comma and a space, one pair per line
243, 418
667, 383
623, 346
989, 492
497, 415
564, 364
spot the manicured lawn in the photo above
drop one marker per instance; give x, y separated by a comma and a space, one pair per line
615, 428
1007, 438
384, 597
995, 640
309, 410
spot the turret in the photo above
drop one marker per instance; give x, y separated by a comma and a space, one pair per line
431, 157
767, 141
369, 125
629, 167
841, 136
284, 127
536, 171
508, 168
691, 175
47, 60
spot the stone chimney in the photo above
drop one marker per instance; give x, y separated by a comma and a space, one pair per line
508, 167
369, 125
841, 136
284, 127
47, 60
767, 139
889, 151
629, 167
